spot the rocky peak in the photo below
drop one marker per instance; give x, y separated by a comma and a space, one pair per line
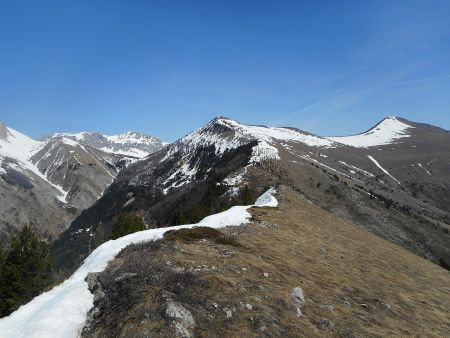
4, 132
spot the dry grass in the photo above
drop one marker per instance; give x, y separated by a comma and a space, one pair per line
200, 233
332, 260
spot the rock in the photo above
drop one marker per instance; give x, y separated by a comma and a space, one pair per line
228, 312
182, 331
125, 276
326, 307
386, 306
347, 333
257, 299
298, 296
266, 274
364, 305
96, 288
249, 306
92, 280
299, 312
324, 323
263, 328
182, 318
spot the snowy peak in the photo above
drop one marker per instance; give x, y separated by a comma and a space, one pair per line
4, 132
223, 135
131, 143
387, 131
16, 145
226, 133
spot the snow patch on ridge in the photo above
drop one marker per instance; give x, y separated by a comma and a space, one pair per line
61, 312
386, 132
382, 169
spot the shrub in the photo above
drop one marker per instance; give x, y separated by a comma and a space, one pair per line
198, 233
125, 224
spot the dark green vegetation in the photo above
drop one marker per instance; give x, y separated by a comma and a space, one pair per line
125, 224
211, 203
187, 204
25, 270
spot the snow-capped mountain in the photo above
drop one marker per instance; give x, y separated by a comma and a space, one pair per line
47, 183
28, 196
131, 143
398, 163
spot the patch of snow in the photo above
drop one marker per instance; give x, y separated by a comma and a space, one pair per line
69, 141
386, 132
133, 152
235, 179
420, 165
308, 158
264, 151
269, 134
267, 199
358, 169
61, 312
382, 169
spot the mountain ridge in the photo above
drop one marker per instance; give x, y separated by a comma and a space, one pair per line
395, 189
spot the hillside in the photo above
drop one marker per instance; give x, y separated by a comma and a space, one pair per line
393, 181
47, 183
354, 284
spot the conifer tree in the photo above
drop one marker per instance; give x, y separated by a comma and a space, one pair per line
25, 270
125, 224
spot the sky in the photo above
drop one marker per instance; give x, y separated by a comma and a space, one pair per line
167, 67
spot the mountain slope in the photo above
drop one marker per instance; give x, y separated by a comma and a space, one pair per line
354, 284
73, 297
381, 188
47, 183
132, 143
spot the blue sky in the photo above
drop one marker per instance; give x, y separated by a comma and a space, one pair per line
166, 68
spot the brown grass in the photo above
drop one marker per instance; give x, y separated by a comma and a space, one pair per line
199, 233
333, 261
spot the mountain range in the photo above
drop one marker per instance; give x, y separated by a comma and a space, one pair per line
355, 241
48, 182
392, 180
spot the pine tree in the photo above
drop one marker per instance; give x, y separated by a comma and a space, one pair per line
125, 224
25, 270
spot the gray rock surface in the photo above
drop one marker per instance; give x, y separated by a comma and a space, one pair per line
298, 296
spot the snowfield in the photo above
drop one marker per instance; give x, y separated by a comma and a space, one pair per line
386, 132
61, 312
